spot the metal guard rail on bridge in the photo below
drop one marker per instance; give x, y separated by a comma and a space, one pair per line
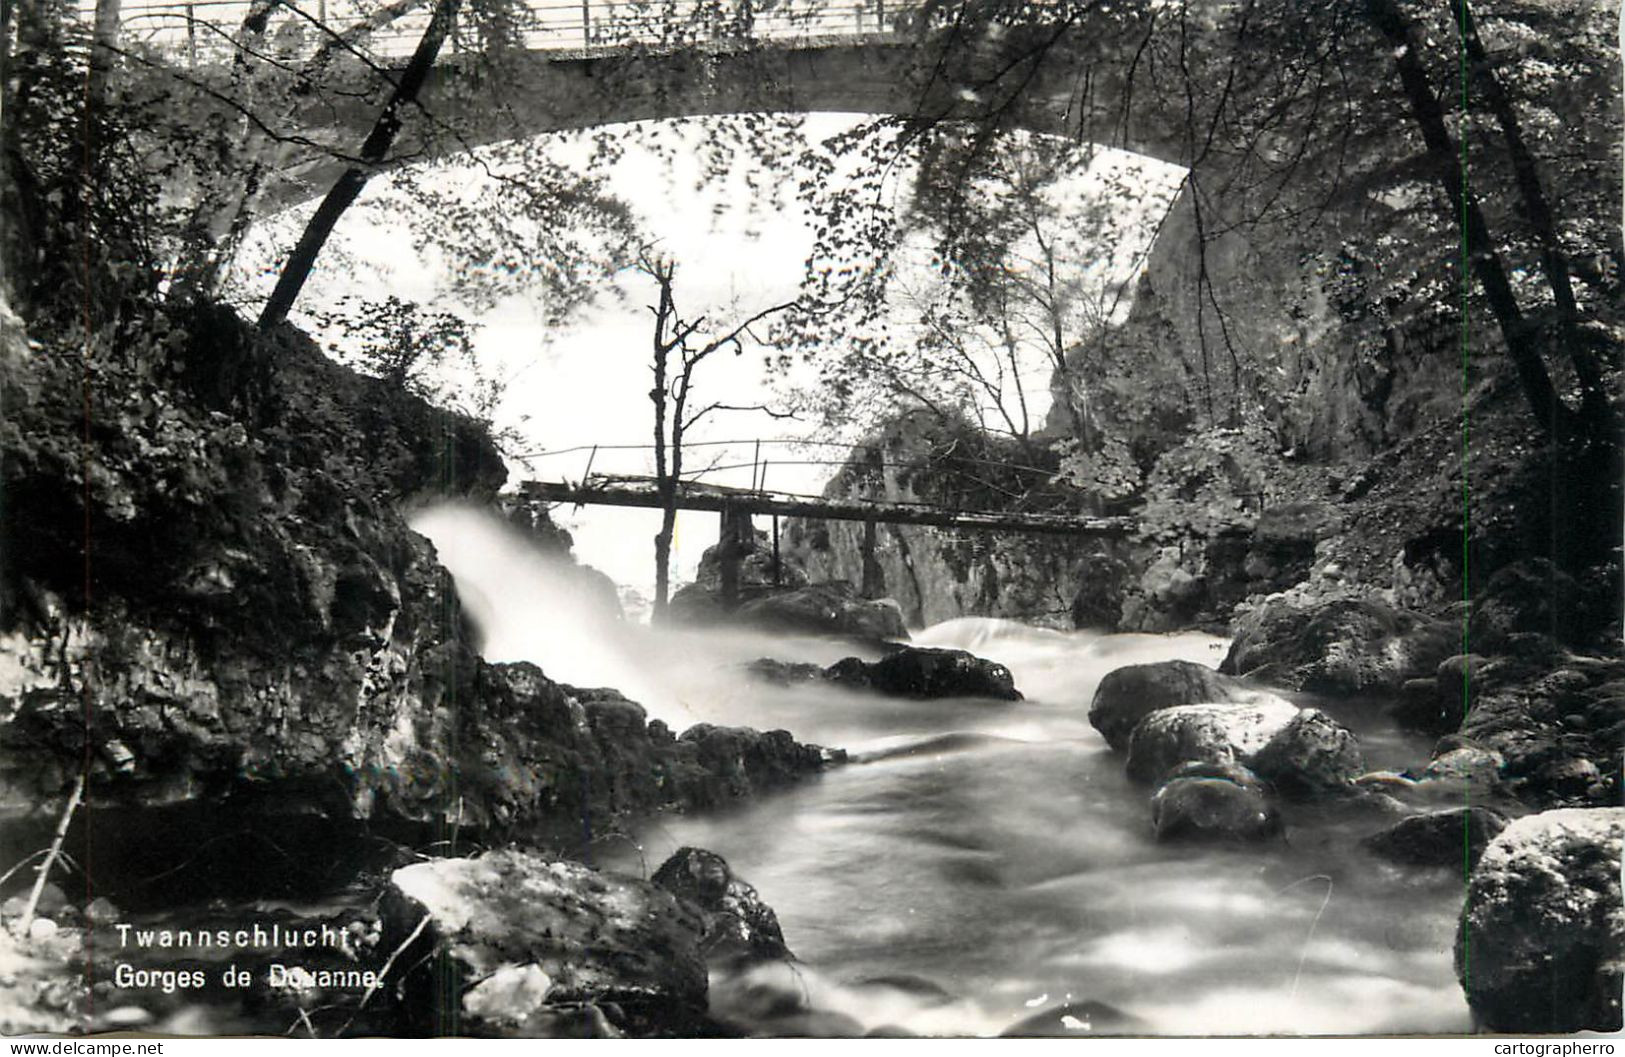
630, 492
203, 32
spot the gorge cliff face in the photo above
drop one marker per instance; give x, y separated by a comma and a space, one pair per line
939, 574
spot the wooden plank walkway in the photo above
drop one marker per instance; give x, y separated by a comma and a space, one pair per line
641, 492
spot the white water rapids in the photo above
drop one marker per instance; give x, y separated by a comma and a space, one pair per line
993, 850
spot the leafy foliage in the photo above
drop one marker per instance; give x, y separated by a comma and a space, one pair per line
424, 352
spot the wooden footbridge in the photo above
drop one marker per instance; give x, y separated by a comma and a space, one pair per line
737, 505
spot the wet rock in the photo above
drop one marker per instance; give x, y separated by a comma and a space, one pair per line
737, 924
1195, 808
1436, 706
850, 672
523, 938
1211, 733
1226, 772
1312, 755
1439, 838
1127, 695
917, 671
906, 671
784, 673
731, 762
825, 609
1074, 1020
1465, 762
1542, 929
1344, 646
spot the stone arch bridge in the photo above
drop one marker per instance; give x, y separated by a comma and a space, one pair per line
605, 62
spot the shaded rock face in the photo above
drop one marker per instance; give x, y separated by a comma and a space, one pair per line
938, 574
1312, 755
1347, 646
1359, 382
737, 924
1207, 733
526, 942
1127, 695
261, 612
1451, 838
265, 632
1542, 932
908, 671
1528, 597
1195, 807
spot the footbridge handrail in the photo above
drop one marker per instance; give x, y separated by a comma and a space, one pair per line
203, 32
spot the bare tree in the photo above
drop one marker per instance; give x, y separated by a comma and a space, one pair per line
678, 348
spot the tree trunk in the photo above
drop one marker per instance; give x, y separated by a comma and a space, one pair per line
1538, 213
668, 526
1521, 339
348, 186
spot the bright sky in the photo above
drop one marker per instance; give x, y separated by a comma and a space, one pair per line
587, 383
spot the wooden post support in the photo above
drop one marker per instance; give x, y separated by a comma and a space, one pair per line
729, 551
874, 579
777, 580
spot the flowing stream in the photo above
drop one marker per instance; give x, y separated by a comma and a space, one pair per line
978, 862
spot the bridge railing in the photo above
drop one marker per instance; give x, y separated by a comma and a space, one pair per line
205, 32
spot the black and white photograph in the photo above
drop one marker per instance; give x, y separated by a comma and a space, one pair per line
782, 519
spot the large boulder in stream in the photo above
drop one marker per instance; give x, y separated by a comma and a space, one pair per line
1541, 945
1313, 754
920, 671
907, 671
526, 942
1222, 804
1127, 695
1447, 838
1344, 646
737, 924
1207, 733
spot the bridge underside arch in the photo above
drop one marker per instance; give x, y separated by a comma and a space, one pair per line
540, 93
